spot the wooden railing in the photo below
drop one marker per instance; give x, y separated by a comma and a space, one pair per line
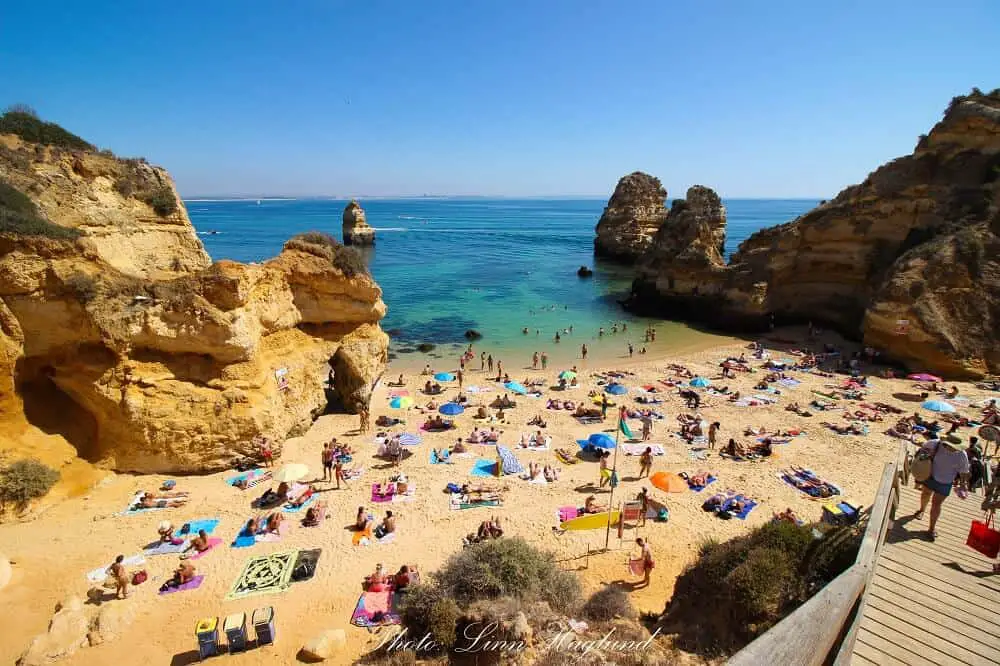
822, 630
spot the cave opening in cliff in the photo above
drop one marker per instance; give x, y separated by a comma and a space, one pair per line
53, 411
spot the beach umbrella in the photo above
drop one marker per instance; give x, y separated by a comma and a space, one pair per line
409, 439
938, 406
598, 439
615, 389
291, 472
668, 482
401, 402
567, 375
516, 387
444, 377
924, 377
700, 382
451, 409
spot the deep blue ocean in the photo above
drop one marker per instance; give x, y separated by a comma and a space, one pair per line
494, 265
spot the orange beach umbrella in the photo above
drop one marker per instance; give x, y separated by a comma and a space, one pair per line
668, 482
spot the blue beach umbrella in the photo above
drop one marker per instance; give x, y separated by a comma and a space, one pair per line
700, 382
451, 409
938, 406
516, 387
444, 377
615, 389
598, 439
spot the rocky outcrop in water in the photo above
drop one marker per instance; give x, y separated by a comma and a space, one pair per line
906, 261
633, 215
146, 363
356, 230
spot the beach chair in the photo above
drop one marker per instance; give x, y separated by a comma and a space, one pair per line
631, 512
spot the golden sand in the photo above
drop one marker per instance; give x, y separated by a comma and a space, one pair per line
72, 536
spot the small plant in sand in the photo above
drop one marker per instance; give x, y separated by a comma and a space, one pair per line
609, 603
23, 481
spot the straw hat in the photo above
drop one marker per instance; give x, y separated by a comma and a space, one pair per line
165, 525
956, 442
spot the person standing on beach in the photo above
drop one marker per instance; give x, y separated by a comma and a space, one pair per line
545, 360
713, 431
534, 361
557, 336
583, 351
600, 332
631, 350
647, 428
327, 458
120, 575
646, 459
604, 406
605, 470
482, 361
489, 362
460, 376
647, 560
499, 369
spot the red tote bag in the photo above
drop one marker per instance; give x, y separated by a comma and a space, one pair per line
983, 538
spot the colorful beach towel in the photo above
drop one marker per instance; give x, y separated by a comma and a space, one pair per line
748, 506
192, 584
789, 382
353, 473
288, 508
192, 527
253, 477
796, 480
305, 565
440, 460
567, 513
484, 467
636, 567
566, 457
212, 543
639, 449
698, 489
165, 548
458, 505
376, 608
264, 574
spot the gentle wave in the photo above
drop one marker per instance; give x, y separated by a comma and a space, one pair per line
390, 228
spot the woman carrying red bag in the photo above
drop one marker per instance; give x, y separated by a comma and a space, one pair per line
990, 505
949, 464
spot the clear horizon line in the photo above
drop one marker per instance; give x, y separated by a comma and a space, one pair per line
332, 197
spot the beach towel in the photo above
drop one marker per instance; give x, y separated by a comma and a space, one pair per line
165, 548
100, 574
376, 608
565, 513
639, 449
380, 494
636, 567
192, 584
288, 508
484, 467
458, 505
353, 473
749, 505
271, 536
410, 439
790, 477
534, 447
399, 393
509, 462
192, 527
764, 398
253, 477
697, 454
264, 574
305, 565
133, 506
698, 489
566, 457
212, 543
789, 382
244, 541
440, 460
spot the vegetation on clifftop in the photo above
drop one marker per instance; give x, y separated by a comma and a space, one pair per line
24, 481
346, 259
25, 123
18, 215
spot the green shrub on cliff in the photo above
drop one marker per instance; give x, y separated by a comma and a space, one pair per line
739, 589
348, 260
18, 215
23, 121
23, 481
162, 200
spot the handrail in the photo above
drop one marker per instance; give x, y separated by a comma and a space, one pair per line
808, 635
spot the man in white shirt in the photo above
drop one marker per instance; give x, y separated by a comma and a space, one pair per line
950, 464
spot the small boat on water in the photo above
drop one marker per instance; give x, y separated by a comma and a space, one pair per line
258, 202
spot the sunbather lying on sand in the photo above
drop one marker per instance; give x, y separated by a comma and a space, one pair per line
849, 429
591, 505
787, 516
199, 544
437, 423
699, 479
273, 524
537, 421
303, 498
314, 514
182, 574
150, 501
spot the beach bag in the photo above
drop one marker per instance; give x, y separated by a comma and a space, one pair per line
454, 488
139, 577
923, 465
983, 537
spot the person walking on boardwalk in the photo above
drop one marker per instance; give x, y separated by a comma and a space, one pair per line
949, 464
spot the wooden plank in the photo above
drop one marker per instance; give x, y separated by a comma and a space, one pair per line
949, 602
892, 652
898, 634
936, 587
807, 635
931, 607
946, 554
981, 587
860, 659
879, 518
928, 640
865, 653
939, 625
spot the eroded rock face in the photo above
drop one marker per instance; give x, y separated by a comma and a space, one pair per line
905, 260
179, 373
355, 229
633, 215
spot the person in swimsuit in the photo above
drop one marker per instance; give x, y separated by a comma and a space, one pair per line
647, 560
120, 574
327, 458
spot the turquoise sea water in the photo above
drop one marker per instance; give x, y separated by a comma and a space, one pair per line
494, 265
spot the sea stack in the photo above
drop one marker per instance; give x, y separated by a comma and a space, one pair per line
633, 215
908, 261
356, 229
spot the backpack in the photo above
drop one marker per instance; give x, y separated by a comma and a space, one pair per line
923, 464
139, 577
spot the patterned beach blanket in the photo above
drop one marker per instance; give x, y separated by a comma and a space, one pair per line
264, 574
376, 608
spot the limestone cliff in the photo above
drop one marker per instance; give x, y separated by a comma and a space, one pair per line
161, 361
906, 260
634, 213
355, 226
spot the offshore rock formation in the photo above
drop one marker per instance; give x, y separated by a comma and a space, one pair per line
356, 230
634, 213
907, 260
146, 357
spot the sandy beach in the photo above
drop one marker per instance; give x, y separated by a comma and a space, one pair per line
69, 537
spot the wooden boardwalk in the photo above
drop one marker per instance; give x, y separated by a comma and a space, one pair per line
930, 602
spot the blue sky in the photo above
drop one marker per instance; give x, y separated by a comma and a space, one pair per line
381, 97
